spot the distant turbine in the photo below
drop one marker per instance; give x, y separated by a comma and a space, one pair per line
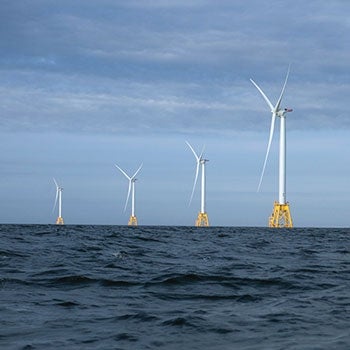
59, 190
281, 213
202, 219
132, 180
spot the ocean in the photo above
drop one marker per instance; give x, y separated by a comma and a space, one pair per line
119, 287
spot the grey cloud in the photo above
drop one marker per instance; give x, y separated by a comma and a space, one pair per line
159, 66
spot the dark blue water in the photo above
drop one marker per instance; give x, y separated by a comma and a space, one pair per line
114, 287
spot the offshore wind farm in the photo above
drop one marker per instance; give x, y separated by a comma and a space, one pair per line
280, 217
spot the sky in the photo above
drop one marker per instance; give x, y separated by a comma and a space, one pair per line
88, 84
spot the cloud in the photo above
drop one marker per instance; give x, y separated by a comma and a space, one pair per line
171, 65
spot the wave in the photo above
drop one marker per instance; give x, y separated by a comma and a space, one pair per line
138, 316
74, 280
227, 280
67, 304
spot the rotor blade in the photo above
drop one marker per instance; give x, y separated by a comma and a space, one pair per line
54, 180
123, 172
263, 95
127, 197
54, 206
137, 171
268, 148
193, 151
195, 182
201, 155
282, 92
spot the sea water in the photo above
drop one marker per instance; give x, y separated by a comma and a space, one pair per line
118, 287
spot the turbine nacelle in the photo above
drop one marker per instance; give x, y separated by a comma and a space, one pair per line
58, 187
283, 112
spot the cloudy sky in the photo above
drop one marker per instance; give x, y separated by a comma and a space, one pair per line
87, 84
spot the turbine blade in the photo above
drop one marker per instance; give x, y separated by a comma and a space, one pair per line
137, 171
123, 172
54, 206
263, 95
282, 92
201, 155
54, 180
268, 147
127, 197
195, 182
193, 151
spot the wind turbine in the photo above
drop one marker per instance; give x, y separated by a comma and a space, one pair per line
202, 219
132, 180
281, 213
59, 190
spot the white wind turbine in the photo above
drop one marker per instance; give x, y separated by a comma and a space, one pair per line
202, 219
59, 190
132, 180
281, 213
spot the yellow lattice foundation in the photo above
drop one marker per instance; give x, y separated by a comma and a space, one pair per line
280, 216
60, 221
202, 219
132, 221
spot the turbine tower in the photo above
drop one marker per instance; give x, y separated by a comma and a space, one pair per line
132, 180
280, 216
59, 190
202, 219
